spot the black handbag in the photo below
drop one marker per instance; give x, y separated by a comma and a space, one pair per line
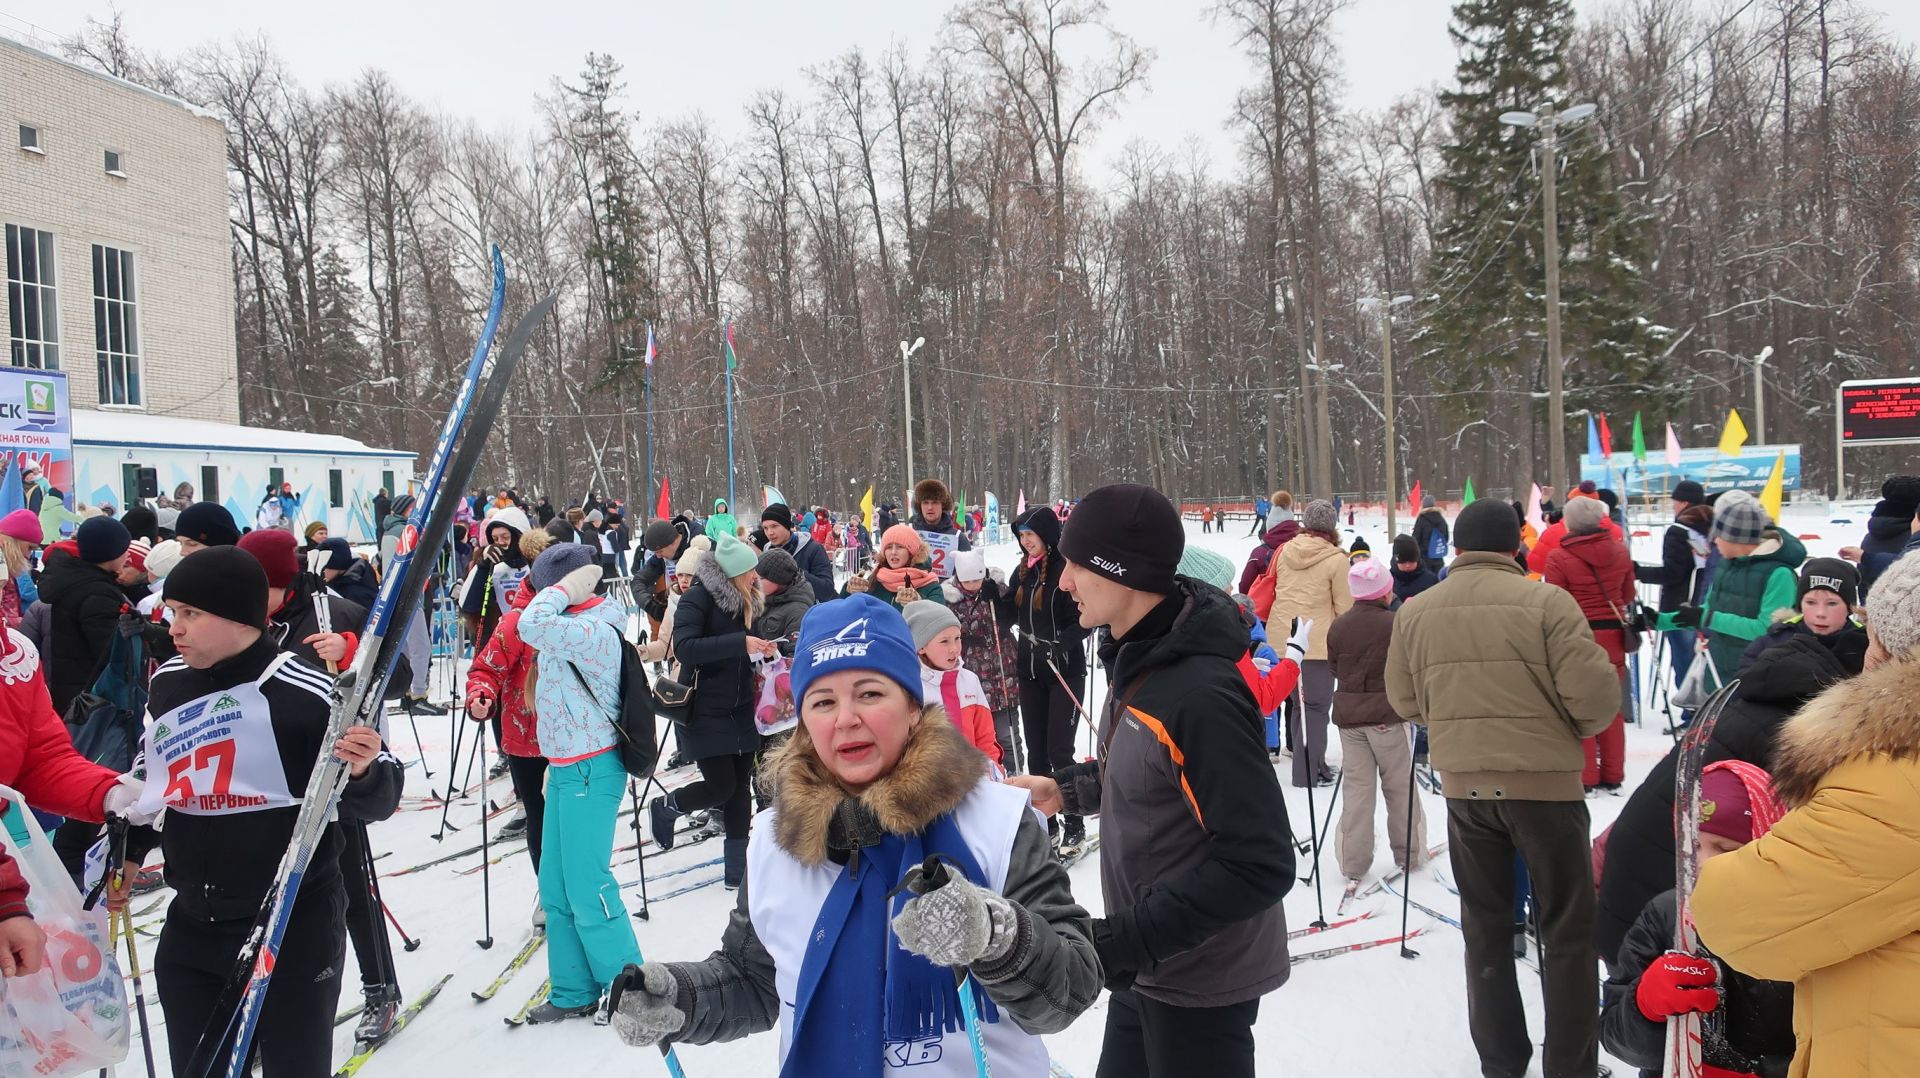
673, 699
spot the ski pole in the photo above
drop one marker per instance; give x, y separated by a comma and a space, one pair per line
486, 852
473, 753
1333, 802
1416, 847
420, 745
639, 840
1062, 679
1319, 903
139, 993
453, 769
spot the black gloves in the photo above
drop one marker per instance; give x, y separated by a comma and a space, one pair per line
1687, 617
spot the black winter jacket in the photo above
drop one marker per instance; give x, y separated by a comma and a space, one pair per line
357, 585
710, 642
1888, 530
1675, 573
221, 866
1048, 620
944, 526
84, 614
1196, 852
1750, 1033
814, 564
297, 619
785, 609
1639, 862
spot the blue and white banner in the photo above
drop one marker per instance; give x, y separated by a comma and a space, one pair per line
1746, 470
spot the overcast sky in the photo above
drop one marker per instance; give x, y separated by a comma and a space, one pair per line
488, 59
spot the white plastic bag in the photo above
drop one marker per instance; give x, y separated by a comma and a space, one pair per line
71, 1017
773, 709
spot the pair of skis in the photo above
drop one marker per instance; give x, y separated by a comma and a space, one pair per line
463, 437
1683, 1057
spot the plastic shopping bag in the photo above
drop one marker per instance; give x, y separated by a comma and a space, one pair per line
773, 710
71, 1017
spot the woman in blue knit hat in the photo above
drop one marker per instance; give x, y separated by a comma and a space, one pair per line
841, 935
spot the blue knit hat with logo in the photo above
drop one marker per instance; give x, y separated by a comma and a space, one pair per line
858, 632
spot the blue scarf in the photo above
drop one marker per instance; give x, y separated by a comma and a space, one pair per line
860, 993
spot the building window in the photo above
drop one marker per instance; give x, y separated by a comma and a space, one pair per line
129, 485
116, 327
336, 487
33, 315
30, 139
209, 483
116, 164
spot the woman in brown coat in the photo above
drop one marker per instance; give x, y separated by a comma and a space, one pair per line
1310, 582
1375, 743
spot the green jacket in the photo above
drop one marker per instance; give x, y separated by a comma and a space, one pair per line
1742, 599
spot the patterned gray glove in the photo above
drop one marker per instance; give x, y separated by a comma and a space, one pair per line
956, 923
643, 1005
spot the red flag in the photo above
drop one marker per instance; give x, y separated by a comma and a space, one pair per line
1413, 499
1606, 436
663, 510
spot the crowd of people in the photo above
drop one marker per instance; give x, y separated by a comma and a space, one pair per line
889, 758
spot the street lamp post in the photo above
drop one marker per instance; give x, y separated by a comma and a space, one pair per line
906, 392
1386, 364
1547, 120
1760, 396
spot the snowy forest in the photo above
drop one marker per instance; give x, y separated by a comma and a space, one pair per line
1749, 182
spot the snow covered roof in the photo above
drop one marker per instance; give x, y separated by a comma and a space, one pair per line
91, 427
32, 44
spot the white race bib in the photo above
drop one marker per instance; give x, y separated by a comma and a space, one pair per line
941, 547
215, 755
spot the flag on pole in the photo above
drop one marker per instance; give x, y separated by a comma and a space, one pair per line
866, 508
733, 361
1606, 437
1673, 448
1020, 507
1776, 488
664, 509
1413, 499
1593, 438
1467, 498
651, 351
993, 511
770, 495
1639, 440
1734, 435
1534, 516
960, 511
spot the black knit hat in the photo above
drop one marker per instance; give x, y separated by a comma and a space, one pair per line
1487, 525
1689, 491
224, 581
101, 540
1899, 497
1130, 534
778, 566
779, 514
1405, 549
659, 535
208, 523
142, 523
1831, 574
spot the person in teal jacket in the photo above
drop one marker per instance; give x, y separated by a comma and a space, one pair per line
578, 638
722, 521
1758, 575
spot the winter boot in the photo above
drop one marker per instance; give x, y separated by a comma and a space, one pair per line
660, 817
705, 826
420, 705
499, 769
1073, 836
539, 915
734, 855
547, 1013
515, 827
382, 1010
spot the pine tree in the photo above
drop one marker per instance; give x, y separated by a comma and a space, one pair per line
1486, 324
617, 251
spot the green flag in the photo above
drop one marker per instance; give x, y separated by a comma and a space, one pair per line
960, 510
732, 360
1467, 498
1639, 441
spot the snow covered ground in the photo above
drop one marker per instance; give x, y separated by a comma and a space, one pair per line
1365, 1013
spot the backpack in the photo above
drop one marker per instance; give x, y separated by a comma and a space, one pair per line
1437, 545
633, 719
1262, 591
106, 720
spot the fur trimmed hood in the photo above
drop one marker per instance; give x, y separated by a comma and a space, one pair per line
725, 595
1875, 712
935, 773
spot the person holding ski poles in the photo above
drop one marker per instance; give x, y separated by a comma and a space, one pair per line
237, 727
891, 875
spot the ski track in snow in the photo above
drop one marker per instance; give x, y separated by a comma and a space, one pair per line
1369, 1013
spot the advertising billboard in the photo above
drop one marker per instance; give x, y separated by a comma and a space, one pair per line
36, 447
1746, 470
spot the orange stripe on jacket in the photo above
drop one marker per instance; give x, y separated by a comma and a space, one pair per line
1179, 759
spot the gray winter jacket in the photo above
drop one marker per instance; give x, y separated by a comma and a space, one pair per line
1049, 979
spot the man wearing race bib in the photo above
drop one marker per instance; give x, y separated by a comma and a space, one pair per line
234, 730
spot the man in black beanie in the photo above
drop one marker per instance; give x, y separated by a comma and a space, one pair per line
1505, 674
1195, 849
205, 524
665, 541
237, 728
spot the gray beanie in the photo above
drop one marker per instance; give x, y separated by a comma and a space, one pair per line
1893, 606
778, 566
927, 619
1738, 520
1319, 516
560, 559
1583, 515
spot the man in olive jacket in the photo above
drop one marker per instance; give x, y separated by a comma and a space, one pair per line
1505, 674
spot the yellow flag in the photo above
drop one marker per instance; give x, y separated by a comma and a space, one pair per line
1776, 487
1735, 434
866, 508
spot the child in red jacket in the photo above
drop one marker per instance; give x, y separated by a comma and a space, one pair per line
936, 634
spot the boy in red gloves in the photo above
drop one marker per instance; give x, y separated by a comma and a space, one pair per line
1747, 1028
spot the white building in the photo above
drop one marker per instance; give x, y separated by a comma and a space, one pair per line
335, 477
